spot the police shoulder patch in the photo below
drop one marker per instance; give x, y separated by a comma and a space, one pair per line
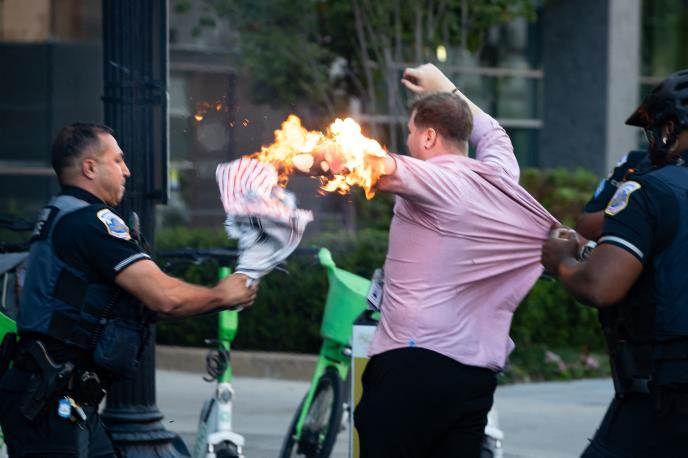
621, 197
114, 224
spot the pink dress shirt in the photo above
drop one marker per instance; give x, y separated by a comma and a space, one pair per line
464, 250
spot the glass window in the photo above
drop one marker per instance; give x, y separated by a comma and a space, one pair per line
664, 37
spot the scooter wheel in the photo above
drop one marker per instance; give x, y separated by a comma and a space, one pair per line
323, 419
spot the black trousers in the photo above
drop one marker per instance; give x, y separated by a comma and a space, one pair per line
51, 435
419, 403
643, 426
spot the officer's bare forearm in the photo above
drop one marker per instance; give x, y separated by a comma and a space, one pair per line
180, 299
580, 283
604, 278
170, 296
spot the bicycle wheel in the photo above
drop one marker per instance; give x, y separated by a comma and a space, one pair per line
322, 422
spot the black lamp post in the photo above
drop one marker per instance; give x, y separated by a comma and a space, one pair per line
135, 42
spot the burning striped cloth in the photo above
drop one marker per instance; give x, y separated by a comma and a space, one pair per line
261, 215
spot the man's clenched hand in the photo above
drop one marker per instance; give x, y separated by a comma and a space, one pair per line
426, 78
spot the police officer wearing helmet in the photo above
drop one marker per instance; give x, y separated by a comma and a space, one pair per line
89, 293
637, 278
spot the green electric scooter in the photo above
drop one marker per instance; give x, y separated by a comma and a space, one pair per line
215, 438
319, 417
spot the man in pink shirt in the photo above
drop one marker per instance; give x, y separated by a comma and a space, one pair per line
464, 249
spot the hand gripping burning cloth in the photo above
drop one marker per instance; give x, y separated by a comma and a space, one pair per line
261, 215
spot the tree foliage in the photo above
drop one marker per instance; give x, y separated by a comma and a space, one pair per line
319, 51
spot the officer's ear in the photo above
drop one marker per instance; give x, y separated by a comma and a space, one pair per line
667, 130
88, 167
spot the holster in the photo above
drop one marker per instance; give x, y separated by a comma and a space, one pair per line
631, 369
631, 364
47, 379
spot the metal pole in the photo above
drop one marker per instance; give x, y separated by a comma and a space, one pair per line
135, 99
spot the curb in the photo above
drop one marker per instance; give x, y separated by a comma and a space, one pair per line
259, 364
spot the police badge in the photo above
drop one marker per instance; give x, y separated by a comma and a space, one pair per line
621, 197
114, 224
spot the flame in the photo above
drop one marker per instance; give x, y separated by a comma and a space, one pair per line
355, 158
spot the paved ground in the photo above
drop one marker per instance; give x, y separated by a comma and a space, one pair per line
262, 410
551, 420
539, 420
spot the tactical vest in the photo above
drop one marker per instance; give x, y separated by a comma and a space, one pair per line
68, 305
647, 334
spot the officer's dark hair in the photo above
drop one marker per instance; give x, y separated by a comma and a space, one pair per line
447, 113
72, 141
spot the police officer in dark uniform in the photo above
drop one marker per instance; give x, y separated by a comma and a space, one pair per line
589, 224
89, 293
637, 277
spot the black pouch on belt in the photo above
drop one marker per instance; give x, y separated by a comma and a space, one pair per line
88, 388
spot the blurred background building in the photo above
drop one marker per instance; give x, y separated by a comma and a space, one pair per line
562, 85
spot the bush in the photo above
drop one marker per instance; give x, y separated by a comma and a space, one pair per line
560, 191
550, 315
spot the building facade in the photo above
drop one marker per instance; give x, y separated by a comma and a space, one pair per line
562, 85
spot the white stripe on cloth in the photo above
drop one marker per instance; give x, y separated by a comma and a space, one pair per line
262, 216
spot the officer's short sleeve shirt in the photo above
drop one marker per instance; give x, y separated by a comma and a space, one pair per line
634, 160
95, 239
640, 217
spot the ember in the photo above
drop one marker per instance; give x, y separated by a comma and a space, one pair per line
202, 108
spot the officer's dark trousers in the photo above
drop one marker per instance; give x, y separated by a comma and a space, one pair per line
643, 426
418, 403
51, 435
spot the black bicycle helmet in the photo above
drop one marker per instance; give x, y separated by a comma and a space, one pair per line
668, 101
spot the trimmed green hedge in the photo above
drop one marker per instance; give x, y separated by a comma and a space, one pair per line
288, 311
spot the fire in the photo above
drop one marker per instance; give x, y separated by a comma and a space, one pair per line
343, 153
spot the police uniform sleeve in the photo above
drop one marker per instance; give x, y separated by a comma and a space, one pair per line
640, 216
97, 240
608, 186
